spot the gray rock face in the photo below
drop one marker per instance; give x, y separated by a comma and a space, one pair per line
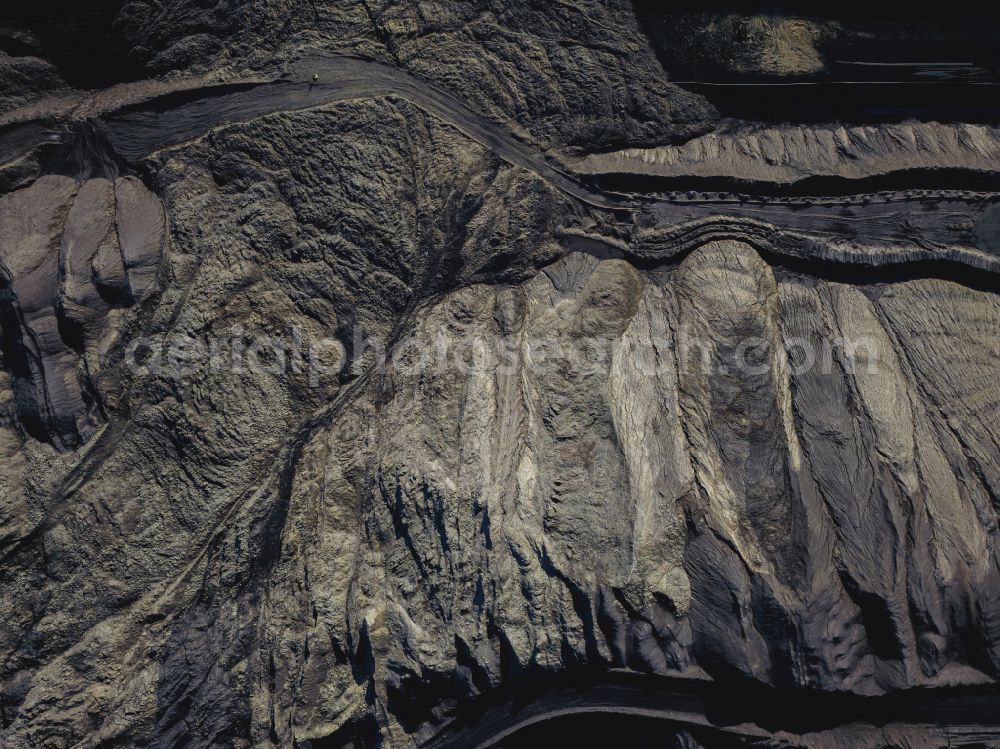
336, 412
664, 507
781, 154
24, 78
566, 74
76, 253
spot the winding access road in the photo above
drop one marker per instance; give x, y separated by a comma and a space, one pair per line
875, 229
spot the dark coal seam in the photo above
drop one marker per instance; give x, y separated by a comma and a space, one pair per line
832, 186
728, 705
853, 103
